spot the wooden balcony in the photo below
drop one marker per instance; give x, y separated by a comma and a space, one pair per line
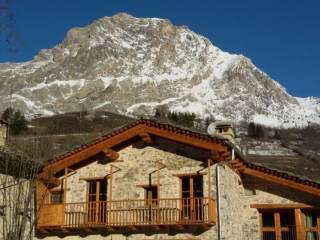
133, 214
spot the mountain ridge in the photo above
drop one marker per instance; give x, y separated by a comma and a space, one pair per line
133, 65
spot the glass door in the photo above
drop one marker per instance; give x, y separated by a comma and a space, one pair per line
192, 197
96, 201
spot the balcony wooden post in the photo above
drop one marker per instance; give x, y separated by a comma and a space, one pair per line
192, 205
65, 187
158, 181
110, 183
109, 197
158, 191
209, 190
299, 225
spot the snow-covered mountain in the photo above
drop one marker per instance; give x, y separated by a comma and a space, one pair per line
132, 65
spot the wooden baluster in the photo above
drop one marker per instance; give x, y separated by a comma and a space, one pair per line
121, 212
115, 215
129, 215
177, 213
77, 215
186, 200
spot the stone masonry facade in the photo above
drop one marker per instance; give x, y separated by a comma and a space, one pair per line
238, 219
135, 168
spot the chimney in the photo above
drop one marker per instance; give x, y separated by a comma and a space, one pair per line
3, 132
223, 129
226, 130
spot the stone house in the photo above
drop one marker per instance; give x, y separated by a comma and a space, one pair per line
151, 180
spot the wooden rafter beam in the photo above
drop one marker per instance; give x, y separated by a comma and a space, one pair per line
111, 154
146, 138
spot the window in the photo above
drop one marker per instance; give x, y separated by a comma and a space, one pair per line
192, 186
192, 197
278, 225
290, 224
311, 220
96, 198
151, 195
56, 197
97, 190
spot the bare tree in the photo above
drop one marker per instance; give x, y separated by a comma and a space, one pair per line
17, 191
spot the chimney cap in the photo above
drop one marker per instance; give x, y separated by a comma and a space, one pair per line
221, 124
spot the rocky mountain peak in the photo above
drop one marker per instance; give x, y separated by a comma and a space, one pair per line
133, 65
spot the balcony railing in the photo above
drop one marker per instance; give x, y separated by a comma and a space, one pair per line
123, 213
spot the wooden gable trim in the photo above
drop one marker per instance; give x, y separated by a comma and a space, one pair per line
281, 180
188, 139
87, 152
241, 166
144, 132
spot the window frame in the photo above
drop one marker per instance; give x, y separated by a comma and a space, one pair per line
298, 211
315, 228
147, 199
55, 191
277, 229
97, 193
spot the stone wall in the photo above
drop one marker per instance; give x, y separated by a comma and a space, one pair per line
134, 171
230, 204
239, 220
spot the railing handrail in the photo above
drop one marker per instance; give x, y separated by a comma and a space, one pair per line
131, 200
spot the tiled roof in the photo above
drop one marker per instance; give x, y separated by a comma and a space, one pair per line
251, 162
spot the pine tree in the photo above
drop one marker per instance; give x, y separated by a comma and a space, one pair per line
7, 114
16, 120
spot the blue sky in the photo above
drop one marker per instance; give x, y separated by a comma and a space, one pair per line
282, 37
